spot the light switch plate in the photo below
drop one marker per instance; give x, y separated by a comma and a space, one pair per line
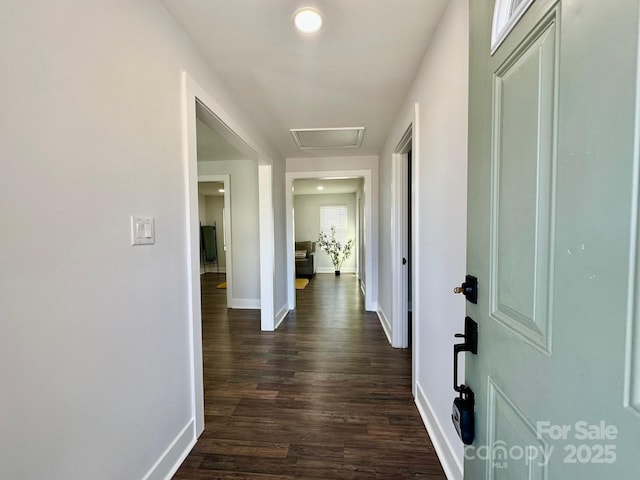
143, 230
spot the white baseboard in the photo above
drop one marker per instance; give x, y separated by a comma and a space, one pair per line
331, 270
171, 459
282, 313
384, 321
247, 303
212, 270
450, 463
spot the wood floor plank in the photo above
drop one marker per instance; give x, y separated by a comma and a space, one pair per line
324, 397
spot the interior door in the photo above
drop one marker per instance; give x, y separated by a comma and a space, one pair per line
553, 214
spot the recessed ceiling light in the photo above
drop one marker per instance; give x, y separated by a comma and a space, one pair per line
320, 187
307, 20
221, 190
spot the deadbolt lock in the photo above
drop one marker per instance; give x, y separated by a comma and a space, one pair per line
469, 289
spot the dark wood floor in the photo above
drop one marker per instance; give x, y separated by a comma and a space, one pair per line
325, 397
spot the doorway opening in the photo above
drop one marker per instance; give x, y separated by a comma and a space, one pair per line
365, 267
320, 204
198, 105
408, 234
402, 255
214, 212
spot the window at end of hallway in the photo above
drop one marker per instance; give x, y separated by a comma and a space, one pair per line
334, 215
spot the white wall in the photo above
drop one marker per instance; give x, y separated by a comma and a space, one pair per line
360, 224
202, 214
95, 356
202, 207
440, 179
245, 233
318, 164
307, 225
213, 216
280, 296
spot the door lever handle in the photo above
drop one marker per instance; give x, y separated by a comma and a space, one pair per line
470, 344
463, 412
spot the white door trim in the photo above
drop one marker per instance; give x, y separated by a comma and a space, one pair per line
371, 285
399, 241
399, 319
193, 93
267, 248
416, 304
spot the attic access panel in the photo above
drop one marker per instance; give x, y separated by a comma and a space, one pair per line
326, 138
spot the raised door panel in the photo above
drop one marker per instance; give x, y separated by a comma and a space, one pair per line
523, 159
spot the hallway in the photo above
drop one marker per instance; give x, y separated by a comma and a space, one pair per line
325, 397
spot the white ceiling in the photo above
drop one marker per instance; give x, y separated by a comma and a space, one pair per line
355, 72
210, 189
309, 186
213, 146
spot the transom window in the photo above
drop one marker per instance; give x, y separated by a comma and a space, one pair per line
506, 14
